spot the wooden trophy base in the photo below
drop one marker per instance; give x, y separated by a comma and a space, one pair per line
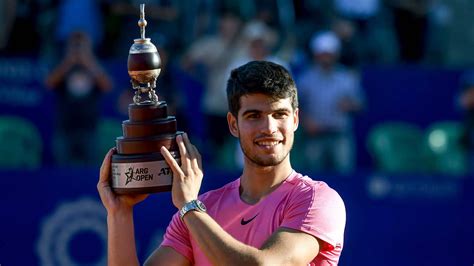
138, 167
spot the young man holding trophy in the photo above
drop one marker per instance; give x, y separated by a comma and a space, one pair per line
270, 215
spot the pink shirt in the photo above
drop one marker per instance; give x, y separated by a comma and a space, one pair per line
299, 203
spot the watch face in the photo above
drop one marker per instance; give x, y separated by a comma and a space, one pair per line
201, 205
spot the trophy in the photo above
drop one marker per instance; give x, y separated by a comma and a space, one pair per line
138, 166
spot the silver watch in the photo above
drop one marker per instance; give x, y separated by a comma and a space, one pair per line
194, 205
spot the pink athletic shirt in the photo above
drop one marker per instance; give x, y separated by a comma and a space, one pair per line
299, 203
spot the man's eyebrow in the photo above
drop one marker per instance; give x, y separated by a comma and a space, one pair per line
251, 111
279, 110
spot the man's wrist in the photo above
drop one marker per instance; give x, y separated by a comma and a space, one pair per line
119, 219
193, 205
120, 212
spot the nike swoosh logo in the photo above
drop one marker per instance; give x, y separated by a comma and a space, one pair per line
244, 222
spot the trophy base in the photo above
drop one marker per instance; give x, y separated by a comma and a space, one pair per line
141, 173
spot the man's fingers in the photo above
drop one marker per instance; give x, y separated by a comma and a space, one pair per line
199, 158
189, 146
183, 152
191, 151
186, 151
105, 168
196, 161
171, 162
181, 146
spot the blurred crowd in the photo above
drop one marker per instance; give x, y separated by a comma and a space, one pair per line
324, 43
371, 31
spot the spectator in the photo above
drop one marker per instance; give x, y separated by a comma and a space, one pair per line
350, 53
411, 28
212, 55
78, 81
259, 41
358, 28
329, 95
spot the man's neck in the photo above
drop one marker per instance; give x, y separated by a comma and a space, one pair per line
257, 181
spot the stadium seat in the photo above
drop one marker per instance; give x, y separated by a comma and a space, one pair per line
22, 144
444, 141
398, 147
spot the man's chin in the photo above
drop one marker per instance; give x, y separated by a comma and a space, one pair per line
267, 162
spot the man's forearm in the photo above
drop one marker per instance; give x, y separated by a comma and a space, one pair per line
121, 239
219, 246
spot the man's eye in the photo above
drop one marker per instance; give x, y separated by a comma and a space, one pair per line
280, 115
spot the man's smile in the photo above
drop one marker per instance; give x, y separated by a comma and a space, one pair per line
268, 142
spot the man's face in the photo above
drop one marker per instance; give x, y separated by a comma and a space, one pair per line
265, 128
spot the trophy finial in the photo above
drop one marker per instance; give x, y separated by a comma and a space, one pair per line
144, 64
142, 22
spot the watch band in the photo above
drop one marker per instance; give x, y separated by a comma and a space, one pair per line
194, 205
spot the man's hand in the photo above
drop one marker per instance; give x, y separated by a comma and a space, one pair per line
114, 203
187, 178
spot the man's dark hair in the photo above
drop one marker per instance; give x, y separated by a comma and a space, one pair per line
260, 77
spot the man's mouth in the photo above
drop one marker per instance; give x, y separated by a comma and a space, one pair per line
268, 143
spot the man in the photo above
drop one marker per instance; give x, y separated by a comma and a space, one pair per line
330, 95
79, 82
270, 215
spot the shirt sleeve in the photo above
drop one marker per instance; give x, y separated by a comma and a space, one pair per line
177, 237
318, 210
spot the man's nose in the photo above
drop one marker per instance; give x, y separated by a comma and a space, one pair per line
269, 125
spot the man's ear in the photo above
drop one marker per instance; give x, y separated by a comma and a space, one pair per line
296, 119
232, 122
